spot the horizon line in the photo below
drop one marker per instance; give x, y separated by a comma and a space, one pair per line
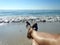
29, 9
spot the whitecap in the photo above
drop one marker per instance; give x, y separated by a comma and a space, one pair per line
2, 24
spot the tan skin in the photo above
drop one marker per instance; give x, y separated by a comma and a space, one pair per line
42, 38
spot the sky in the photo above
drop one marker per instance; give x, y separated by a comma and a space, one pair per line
30, 4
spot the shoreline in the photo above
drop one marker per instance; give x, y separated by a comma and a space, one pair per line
18, 19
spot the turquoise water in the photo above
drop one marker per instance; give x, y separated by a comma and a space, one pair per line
29, 12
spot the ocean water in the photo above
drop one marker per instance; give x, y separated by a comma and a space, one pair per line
29, 12
16, 33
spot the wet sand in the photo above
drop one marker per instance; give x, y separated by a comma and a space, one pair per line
15, 33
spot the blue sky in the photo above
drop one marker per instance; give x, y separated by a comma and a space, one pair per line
30, 4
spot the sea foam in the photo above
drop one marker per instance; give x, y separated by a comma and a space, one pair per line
17, 19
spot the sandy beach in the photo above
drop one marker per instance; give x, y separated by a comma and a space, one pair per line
15, 33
